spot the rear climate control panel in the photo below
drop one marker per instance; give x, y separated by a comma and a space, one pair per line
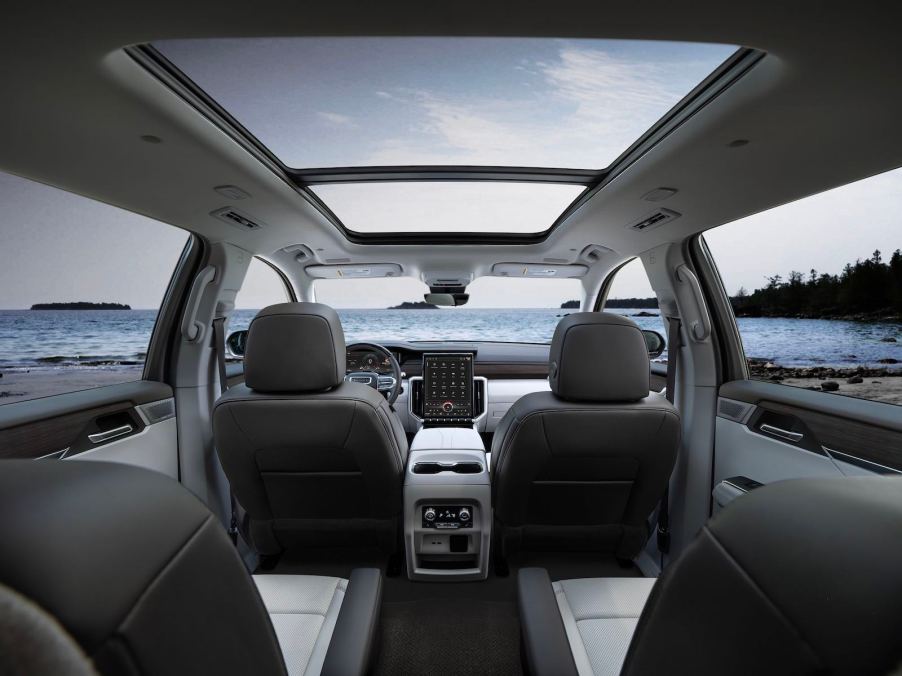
447, 517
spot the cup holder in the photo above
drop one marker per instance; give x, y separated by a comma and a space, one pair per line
456, 467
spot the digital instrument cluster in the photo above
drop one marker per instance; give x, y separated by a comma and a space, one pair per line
368, 361
448, 387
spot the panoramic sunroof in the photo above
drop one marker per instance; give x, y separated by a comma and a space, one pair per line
341, 102
450, 207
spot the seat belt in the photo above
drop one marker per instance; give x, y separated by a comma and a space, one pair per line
219, 349
673, 345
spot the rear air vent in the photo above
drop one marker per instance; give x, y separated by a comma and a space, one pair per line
654, 220
236, 218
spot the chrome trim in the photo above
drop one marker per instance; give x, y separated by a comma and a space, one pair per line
850, 459
56, 455
485, 398
106, 435
794, 437
410, 397
385, 383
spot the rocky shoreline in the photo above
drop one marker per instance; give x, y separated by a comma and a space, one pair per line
760, 368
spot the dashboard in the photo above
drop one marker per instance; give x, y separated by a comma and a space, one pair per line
367, 360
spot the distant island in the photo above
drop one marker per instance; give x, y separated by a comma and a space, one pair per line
866, 290
617, 303
81, 305
414, 305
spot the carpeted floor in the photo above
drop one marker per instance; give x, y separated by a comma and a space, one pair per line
453, 637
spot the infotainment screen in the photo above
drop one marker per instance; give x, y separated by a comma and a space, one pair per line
448, 386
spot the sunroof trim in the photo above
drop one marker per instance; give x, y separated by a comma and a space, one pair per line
728, 72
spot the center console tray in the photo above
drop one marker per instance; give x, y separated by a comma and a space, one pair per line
456, 467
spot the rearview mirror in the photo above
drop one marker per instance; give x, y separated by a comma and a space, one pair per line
655, 343
447, 299
236, 343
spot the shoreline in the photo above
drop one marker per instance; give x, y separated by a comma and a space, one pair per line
882, 383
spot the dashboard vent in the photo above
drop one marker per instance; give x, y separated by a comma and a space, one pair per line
654, 220
236, 218
478, 397
416, 397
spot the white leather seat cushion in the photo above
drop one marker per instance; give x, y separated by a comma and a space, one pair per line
303, 610
600, 616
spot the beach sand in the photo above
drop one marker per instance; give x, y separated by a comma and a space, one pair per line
881, 388
25, 385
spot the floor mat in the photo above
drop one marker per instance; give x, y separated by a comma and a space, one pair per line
453, 637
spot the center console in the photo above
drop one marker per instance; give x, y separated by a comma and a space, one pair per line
447, 506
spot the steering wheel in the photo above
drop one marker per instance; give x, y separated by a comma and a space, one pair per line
389, 386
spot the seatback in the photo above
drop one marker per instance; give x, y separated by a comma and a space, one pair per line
583, 466
312, 460
797, 577
134, 568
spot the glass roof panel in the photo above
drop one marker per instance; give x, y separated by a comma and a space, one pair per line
540, 102
457, 207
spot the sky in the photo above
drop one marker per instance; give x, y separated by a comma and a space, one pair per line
340, 102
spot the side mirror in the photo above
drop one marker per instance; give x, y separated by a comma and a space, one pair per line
236, 343
655, 343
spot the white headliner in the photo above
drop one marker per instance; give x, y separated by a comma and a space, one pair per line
821, 109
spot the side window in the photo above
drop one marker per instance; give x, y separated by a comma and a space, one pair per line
262, 286
81, 284
631, 295
816, 286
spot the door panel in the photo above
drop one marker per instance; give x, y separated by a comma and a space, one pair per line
769, 432
132, 423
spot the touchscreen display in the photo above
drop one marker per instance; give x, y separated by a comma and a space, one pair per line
448, 385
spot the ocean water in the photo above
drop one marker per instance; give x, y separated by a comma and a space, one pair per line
49, 339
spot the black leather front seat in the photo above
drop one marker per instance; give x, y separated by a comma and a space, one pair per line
314, 461
583, 466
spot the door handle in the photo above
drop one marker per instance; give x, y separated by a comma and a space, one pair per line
794, 437
100, 437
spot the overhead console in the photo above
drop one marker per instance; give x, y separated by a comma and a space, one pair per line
448, 392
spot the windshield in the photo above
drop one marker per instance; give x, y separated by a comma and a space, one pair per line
499, 309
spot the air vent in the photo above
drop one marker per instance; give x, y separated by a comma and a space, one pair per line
478, 397
416, 396
236, 218
654, 220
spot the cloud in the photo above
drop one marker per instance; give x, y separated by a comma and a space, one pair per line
337, 119
581, 109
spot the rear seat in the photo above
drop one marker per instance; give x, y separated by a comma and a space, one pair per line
124, 567
317, 616
579, 627
798, 577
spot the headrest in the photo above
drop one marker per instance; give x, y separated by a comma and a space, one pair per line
295, 347
596, 356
